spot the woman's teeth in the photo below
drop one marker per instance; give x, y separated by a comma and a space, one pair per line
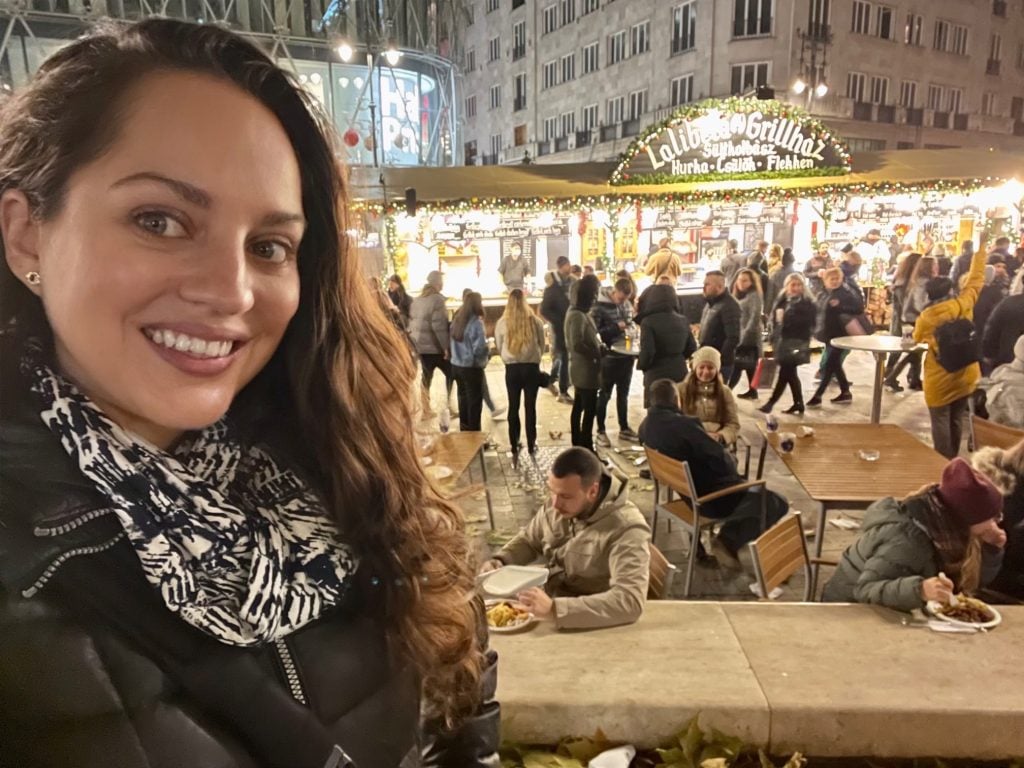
190, 344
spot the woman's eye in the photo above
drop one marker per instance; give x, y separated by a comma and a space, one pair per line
160, 224
272, 251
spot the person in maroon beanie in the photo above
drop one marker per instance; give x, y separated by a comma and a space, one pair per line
944, 539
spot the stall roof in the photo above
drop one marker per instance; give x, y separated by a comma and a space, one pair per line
570, 180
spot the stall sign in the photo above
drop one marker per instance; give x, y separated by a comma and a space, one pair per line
513, 225
746, 139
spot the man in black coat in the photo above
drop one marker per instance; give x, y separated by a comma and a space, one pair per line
681, 437
553, 307
720, 321
1005, 325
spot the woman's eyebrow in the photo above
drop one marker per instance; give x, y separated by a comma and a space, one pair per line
182, 189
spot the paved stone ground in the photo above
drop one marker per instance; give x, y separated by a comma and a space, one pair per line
517, 493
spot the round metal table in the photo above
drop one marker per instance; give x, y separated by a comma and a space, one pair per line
881, 346
620, 348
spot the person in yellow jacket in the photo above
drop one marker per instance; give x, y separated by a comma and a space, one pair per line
946, 393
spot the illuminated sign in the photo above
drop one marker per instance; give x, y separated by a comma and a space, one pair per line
736, 139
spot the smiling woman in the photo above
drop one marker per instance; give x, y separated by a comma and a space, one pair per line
197, 404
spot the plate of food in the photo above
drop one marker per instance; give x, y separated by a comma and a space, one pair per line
969, 612
506, 616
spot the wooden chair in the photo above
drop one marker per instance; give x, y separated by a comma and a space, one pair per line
779, 552
675, 476
663, 573
984, 432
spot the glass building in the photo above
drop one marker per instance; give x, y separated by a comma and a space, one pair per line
381, 68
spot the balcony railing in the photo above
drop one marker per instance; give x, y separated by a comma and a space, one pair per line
519, 104
863, 110
488, 160
940, 119
631, 127
1018, 127
915, 116
999, 8
819, 32
960, 122
543, 148
993, 66
582, 138
562, 144
682, 45
518, 52
609, 132
886, 113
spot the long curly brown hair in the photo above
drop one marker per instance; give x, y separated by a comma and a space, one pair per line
336, 398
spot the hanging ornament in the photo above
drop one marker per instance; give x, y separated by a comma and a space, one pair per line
583, 223
399, 141
368, 143
351, 138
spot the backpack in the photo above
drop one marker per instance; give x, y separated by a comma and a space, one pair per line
957, 342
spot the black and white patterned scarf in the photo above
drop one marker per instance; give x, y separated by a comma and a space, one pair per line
237, 546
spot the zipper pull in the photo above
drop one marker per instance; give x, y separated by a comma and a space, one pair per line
338, 759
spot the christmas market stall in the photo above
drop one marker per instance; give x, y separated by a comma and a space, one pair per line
712, 175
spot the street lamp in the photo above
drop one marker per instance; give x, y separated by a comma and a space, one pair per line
392, 55
799, 86
821, 90
344, 51
813, 62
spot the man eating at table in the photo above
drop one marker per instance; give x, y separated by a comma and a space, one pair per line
594, 541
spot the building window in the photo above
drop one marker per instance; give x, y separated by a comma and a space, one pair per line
908, 94
866, 145
590, 58
855, 85
1020, 55
885, 26
640, 38
935, 97
956, 96
568, 11
518, 4
550, 19
588, 115
879, 89
550, 128
519, 92
988, 103
861, 24
746, 77
518, 40
819, 15
912, 31
681, 91
589, 6
494, 49
495, 96
637, 104
752, 17
492, 5
550, 75
496, 145
471, 60
941, 41
959, 40
568, 123
568, 67
995, 48
616, 110
684, 27
616, 47
471, 107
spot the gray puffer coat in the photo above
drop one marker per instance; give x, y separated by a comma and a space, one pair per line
889, 561
428, 324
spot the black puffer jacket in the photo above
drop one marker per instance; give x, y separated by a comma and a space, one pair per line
96, 672
665, 338
835, 308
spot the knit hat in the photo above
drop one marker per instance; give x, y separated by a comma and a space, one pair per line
707, 355
970, 496
435, 280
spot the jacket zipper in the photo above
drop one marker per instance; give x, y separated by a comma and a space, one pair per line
53, 567
60, 530
291, 671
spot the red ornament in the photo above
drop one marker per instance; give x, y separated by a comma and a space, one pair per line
583, 223
350, 137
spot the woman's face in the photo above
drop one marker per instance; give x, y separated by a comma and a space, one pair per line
169, 275
832, 281
794, 288
743, 282
392, 285
705, 372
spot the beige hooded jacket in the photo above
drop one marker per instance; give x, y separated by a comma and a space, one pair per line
599, 564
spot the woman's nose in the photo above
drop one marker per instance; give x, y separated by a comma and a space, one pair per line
221, 279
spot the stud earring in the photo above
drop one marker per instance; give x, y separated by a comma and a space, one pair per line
33, 278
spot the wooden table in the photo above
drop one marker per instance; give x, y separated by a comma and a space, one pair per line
881, 346
456, 450
828, 467
831, 680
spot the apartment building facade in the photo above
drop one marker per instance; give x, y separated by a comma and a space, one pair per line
576, 80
